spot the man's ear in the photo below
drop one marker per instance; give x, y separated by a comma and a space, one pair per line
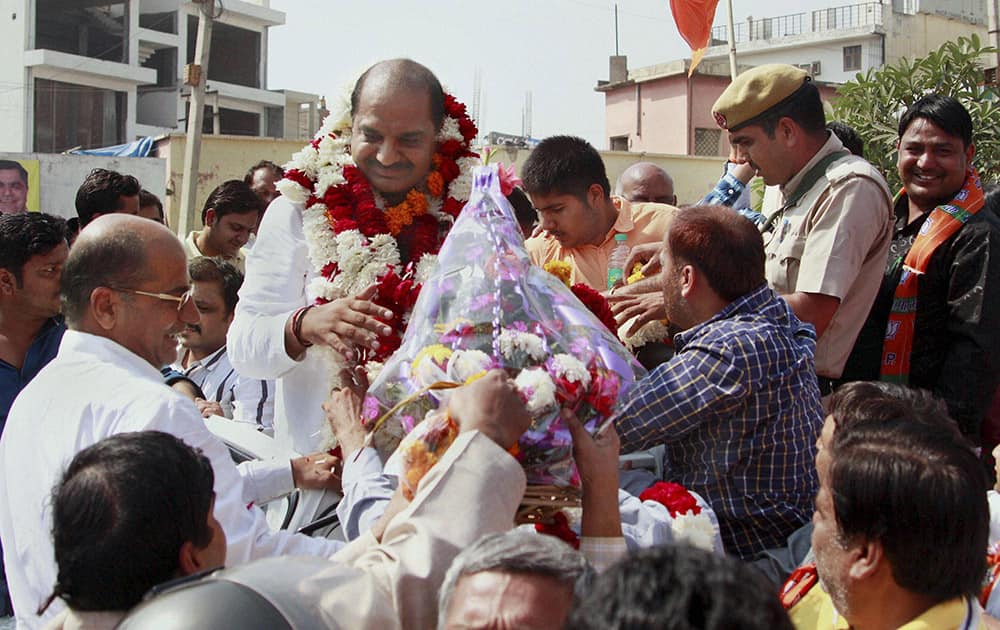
595, 195
8, 283
106, 307
970, 152
866, 559
787, 131
210, 217
688, 279
189, 560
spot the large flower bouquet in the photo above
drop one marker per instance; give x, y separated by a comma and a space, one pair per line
486, 306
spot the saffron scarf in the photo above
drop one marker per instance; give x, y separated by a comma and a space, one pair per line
942, 223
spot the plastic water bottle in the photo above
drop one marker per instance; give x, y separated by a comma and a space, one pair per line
616, 261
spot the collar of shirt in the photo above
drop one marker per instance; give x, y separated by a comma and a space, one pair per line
209, 363
832, 144
756, 301
83, 347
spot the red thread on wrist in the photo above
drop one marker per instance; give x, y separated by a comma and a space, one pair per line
297, 318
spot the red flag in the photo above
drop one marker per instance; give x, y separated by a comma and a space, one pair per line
694, 22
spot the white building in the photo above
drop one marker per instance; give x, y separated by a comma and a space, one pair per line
101, 72
836, 43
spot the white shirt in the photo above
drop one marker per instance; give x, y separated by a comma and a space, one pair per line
278, 271
93, 389
246, 400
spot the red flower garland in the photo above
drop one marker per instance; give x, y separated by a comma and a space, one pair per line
559, 527
597, 304
351, 206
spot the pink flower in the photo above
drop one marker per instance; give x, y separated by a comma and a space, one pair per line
508, 179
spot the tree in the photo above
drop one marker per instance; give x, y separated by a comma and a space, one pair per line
873, 102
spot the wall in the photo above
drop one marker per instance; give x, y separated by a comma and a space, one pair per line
915, 35
222, 158
60, 176
828, 52
14, 29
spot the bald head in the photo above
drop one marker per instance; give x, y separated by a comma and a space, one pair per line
115, 250
645, 182
400, 74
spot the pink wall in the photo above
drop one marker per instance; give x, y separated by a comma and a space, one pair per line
665, 116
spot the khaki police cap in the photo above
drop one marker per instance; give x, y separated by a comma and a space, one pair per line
754, 92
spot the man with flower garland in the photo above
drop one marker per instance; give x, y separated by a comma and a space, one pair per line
738, 406
340, 255
935, 323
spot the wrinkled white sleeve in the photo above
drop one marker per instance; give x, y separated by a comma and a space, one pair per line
253, 403
277, 268
264, 480
602, 552
247, 534
367, 491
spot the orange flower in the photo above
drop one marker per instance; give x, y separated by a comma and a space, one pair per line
399, 216
435, 184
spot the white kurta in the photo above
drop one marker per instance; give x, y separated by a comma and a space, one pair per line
93, 389
278, 271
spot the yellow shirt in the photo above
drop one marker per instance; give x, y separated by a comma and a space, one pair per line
192, 252
815, 611
641, 222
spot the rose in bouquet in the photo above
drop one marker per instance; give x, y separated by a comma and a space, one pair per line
486, 306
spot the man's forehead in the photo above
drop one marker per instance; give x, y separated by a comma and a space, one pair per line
10, 174
925, 129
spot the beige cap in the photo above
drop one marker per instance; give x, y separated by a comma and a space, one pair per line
756, 91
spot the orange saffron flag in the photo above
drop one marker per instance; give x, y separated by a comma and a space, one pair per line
694, 21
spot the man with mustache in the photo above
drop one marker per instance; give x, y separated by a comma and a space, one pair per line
202, 358
826, 245
935, 323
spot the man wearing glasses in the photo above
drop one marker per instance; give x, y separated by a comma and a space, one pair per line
125, 296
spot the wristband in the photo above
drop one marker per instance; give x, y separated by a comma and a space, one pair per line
297, 318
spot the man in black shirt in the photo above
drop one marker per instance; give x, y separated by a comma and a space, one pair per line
954, 350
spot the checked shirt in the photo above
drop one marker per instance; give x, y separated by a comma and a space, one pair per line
738, 409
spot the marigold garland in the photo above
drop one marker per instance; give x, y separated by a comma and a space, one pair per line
354, 240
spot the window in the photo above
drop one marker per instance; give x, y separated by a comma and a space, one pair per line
69, 115
619, 143
852, 58
706, 141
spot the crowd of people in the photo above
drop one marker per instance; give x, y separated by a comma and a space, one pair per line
822, 384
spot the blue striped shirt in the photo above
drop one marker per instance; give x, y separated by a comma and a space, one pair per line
738, 409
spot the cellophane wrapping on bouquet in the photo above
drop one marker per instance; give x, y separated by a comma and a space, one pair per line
486, 306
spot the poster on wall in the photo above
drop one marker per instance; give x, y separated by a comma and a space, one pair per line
19, 186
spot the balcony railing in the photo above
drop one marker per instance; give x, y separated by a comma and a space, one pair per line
835, 18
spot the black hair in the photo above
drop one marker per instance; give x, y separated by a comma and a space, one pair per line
804, 107
232, 197
407, 74
523, 210
28, 234
848, 136
118, 259
147, 198
205, 269
14, 165
277, 170
101, 193
120, 514
944, 111
918, 489
678, 587
564, 165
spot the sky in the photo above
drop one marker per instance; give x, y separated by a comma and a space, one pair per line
555, 49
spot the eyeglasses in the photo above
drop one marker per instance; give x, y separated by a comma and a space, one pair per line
182, 300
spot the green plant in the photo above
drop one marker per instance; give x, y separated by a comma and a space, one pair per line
874, 100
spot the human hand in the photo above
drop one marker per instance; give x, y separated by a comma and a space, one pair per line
644, 307
346, 323
492, 406
648, 254
343, 410
397, 503
743, 171
319, 471
208, 408
597, 462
